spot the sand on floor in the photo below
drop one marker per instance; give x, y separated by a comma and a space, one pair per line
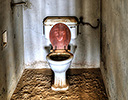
84, 84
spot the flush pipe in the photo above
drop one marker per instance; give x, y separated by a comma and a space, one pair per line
19, 3
12, 4
87, 23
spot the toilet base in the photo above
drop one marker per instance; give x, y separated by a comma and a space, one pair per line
60, 83
60, 88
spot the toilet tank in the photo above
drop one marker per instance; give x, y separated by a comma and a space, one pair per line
71, 22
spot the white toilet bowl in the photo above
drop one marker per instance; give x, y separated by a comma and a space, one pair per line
59, 63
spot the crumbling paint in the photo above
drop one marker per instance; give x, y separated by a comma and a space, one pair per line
115, 48
11, 57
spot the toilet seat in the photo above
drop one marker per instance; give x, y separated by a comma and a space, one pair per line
60, 36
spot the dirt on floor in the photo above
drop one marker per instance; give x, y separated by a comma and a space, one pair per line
84, 84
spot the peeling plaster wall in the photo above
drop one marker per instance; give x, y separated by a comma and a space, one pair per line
87, 54
11, 57
115, 48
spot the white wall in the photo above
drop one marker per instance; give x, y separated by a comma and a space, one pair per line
87, 54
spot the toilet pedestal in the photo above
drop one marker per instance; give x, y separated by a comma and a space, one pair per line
60, 83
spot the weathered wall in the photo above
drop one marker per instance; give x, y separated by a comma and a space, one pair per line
87, 54
11, 57
115, 48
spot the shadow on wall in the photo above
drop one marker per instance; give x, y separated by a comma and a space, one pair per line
88, 51
11, 57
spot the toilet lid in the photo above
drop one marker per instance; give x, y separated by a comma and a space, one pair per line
60, 36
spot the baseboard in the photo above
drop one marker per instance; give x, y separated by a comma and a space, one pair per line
43, 64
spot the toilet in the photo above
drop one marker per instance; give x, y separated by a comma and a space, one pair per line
59, 31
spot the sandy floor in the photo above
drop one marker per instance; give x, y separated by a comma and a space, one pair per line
85, 84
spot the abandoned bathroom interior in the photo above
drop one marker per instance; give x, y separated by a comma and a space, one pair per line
24, 46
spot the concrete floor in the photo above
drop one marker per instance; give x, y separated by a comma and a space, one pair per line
85, 84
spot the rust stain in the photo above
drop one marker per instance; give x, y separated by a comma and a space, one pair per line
61, 19
36, 62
